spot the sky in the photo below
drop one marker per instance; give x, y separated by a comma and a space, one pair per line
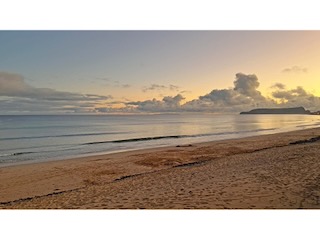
157, 71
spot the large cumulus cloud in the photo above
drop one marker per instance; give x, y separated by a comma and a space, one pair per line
297, 97
247, 85
243, 96
167, 104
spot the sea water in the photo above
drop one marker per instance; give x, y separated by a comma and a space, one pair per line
42, 138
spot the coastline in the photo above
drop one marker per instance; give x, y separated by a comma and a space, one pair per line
89, 182
73, 137
153, 147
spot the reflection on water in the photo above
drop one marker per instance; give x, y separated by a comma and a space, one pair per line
246, 122
53, 137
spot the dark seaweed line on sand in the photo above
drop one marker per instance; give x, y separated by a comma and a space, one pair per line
197, 163
34, 197
131, 176
311, 140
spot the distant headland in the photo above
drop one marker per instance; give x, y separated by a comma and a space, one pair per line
294, 110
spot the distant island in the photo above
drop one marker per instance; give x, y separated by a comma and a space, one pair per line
295, 110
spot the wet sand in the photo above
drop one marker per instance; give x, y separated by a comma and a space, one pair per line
278, 171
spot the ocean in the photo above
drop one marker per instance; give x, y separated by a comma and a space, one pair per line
34, 138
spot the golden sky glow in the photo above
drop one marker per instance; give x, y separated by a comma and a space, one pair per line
130, 66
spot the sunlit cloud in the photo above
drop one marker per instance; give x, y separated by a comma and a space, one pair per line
278, 86
168, 103
295, 69
18, 96
157, 87
297, 97
244, 95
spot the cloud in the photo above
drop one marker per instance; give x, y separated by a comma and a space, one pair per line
154, 87
297, 97
168, 103
278, 86
16, 94
185, 91
244, 95
290, 94
21, 105
174, 88
115, 110
13, 85
173, 101
295, 69
157, 87
247, 85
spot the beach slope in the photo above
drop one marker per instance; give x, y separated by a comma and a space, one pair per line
278, 171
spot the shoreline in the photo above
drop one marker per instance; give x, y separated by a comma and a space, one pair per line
97, 154
34, 185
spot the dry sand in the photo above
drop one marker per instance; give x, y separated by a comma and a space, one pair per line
249, 173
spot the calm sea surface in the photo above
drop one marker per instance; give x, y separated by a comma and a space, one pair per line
43, 138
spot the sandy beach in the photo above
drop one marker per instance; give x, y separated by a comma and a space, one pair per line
277, 171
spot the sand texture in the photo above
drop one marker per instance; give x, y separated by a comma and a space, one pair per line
278, 171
